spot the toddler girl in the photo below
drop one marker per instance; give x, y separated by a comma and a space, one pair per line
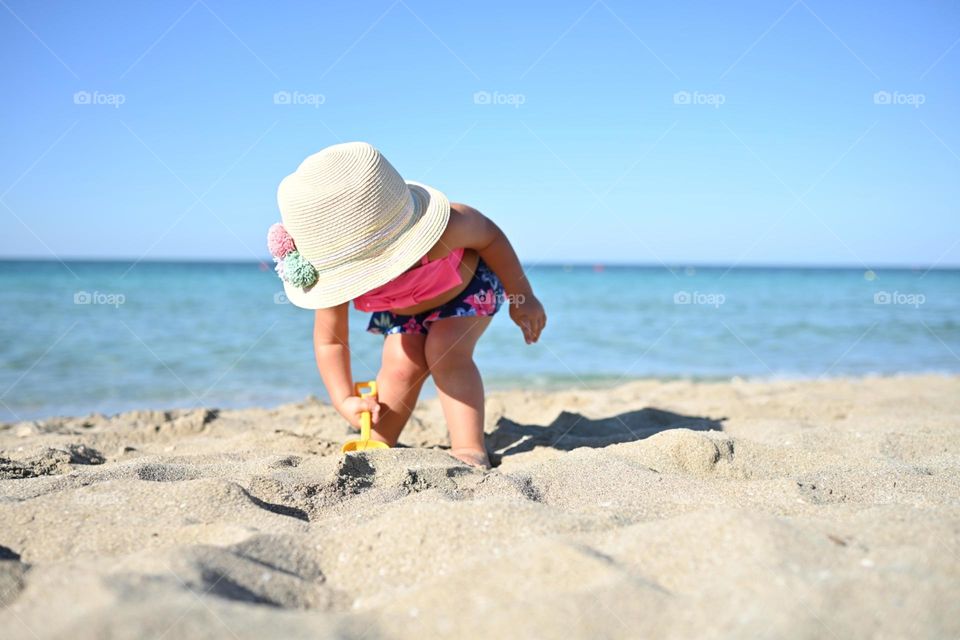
431, 273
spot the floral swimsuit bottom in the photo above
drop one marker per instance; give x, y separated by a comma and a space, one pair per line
482, 297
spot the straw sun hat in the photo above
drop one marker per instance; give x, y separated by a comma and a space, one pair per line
350, 224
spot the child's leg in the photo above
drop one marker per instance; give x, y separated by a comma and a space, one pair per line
449, 352
403, 370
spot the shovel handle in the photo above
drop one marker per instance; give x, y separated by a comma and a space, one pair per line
365, 390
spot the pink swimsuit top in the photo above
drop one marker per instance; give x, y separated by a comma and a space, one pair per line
425, 281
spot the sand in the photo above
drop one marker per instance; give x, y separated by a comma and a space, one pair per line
817, 509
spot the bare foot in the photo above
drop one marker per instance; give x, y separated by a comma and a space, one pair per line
472, 457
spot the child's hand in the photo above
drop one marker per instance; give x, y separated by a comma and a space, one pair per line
527, 312
353, 406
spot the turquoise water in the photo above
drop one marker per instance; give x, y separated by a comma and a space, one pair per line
163, 335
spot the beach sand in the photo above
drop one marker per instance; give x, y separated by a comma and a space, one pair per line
816, 509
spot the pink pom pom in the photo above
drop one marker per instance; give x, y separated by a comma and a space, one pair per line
279, 241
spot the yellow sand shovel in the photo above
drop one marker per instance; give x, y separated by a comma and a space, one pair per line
365, 390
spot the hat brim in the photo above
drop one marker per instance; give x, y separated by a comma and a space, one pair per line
344, 283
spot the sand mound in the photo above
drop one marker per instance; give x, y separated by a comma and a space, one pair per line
787, 509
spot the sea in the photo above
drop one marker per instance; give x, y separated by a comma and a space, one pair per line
81, 337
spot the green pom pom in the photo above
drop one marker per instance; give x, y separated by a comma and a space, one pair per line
298, 271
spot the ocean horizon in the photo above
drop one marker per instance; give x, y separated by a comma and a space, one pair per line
110, 335
586, 264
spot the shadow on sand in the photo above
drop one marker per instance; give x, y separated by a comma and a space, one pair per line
573, 430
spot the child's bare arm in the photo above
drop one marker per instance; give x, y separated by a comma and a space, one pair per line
471, 229
331, 346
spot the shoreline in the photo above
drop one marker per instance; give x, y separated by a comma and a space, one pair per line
492, 388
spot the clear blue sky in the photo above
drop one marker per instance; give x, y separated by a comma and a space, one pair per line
584, 153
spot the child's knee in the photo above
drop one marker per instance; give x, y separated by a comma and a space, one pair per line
451, 342
451, 360
403, 373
